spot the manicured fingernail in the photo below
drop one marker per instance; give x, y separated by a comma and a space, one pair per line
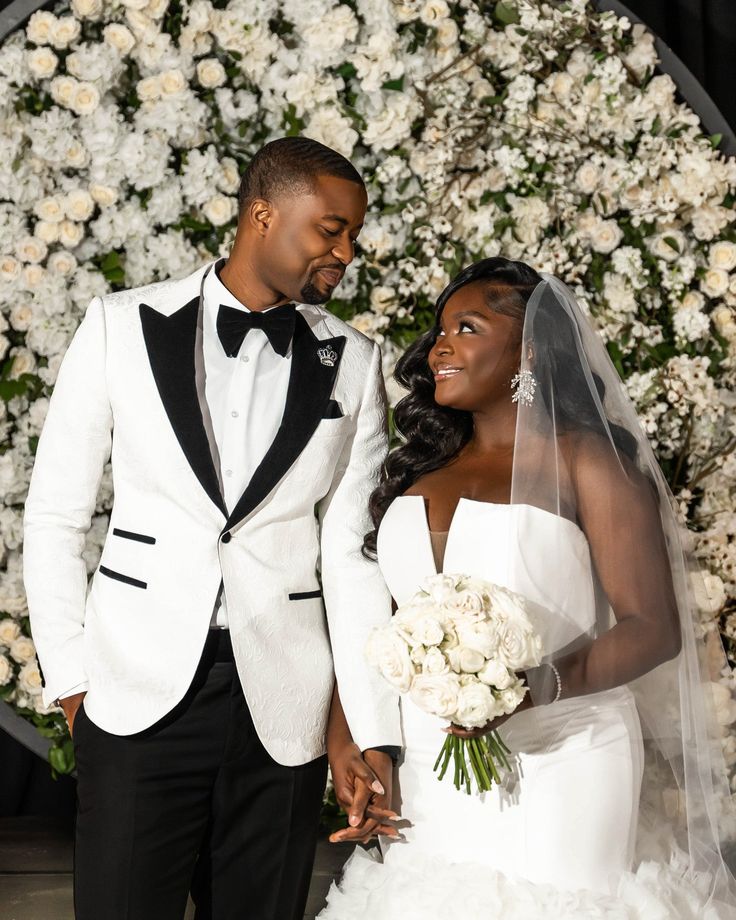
353, 820
377, 787
395, 818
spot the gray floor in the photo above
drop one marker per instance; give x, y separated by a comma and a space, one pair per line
36, 864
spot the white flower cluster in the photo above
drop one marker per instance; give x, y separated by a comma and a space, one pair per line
537, 131
455, 648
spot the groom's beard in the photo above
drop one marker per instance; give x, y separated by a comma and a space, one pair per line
310, 293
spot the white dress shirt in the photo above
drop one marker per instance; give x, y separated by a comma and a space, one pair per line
245, 396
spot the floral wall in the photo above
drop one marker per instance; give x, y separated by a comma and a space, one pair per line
538, 132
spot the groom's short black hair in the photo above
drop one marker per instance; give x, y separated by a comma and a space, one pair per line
292, 164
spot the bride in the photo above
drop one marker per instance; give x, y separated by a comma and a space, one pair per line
523, 463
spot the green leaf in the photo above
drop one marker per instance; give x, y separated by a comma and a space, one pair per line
715, 140
506, 13
347, 71
61, 757
397, 85
672, 243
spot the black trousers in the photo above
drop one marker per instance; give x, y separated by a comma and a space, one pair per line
193, 803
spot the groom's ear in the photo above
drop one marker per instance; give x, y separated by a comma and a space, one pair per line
260, 215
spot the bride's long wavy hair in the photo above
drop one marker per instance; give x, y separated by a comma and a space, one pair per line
433, 435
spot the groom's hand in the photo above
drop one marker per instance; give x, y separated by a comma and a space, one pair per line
70, 705
363, 789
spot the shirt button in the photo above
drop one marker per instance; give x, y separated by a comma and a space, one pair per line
235, 413
244, 358
226, 537
228, 472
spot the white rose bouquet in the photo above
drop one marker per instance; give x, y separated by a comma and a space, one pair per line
455, 648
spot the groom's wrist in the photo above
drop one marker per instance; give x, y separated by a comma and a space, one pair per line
393, 751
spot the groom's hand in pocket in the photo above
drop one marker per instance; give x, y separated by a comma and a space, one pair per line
363, 790
70, 705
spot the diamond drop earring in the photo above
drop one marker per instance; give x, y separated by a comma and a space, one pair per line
524, 384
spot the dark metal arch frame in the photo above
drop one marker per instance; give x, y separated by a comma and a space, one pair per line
14, 15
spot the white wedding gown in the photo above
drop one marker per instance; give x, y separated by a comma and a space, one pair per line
557, 838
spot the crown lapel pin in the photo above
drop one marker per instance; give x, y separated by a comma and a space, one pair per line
327, 356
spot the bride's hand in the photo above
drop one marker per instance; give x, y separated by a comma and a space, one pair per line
491, 726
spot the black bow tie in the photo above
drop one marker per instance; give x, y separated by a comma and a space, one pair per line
233, 325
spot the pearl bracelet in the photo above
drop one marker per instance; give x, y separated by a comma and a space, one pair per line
558, 680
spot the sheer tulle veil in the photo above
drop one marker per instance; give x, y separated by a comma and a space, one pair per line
581, 454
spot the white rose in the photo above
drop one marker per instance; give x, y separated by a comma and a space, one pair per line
48, 233
710, 593
446, 33
587, 178
427, 630
75, 155
64, 31
211, 73
693, 300
715, 282
39, 27
725, 705
510, 698
42, 63
441, 589
229, 178
49, 209
29, 679
6, 671
220, 209
561, 85
119, 37
156, 8
433, 662
436, 694
149, 88
434, 11
9, 631
723, 255
669, 245
31, 249
482, 637
21, 316
33, 275
172, 82
63, 89
475, 705
70, 234
724, 319
605, 236
62, 263
104, 195
87, 9
22, 649
383, 299
9, 268
85, 100
79, 205
390, 654
465, 660
496, 675
518, 646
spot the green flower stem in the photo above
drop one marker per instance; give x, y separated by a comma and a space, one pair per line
486, 757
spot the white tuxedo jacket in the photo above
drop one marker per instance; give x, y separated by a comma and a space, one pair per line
301, 598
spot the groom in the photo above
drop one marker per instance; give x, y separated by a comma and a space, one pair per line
246, 426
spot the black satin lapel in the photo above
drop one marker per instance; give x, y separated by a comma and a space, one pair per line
170, 341
310, 388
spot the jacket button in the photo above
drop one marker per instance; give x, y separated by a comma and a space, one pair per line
227, 537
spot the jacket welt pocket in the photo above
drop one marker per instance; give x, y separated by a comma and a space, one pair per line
126, 579
131, 535
304, 595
